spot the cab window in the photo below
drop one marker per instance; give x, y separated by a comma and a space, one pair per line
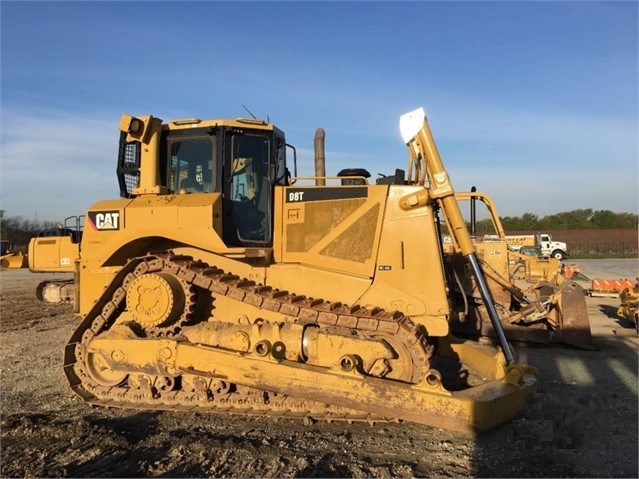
191, 165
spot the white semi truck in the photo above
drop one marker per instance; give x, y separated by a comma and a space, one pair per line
547, 247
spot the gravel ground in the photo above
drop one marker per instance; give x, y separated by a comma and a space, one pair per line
581, 423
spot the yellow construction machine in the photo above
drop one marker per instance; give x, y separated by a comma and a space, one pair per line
5, 252
551, 309
57, 251
629, 307
10, 258
531, 268
219, 281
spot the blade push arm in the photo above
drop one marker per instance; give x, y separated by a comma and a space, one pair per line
427, 164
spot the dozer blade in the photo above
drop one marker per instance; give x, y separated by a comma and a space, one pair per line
565, 319
574, 325
14, 261
499, 397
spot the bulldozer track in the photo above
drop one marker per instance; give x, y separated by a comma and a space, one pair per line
217, 395
62, 286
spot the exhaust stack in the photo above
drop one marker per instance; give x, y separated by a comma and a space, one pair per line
320, 160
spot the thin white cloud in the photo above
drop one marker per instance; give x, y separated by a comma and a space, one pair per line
55, 165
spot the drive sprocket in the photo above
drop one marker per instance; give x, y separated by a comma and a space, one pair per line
160, 303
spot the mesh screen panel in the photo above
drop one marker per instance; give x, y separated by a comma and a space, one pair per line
356, 242
128, 166
320, 218
131, 165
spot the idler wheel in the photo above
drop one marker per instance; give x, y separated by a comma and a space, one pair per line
100, 371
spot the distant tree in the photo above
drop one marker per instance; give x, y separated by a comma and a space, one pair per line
18, 231
511, 223
570, 220
529, 221
626, 220
485, 227
575, 219
604, 219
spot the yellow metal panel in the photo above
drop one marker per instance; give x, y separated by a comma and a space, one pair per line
408, 276
141, 225
220, 122
227, 264
495, 256
92, 284
279, 216
99, 236
317, 283
336, 228
52, 254
187, 218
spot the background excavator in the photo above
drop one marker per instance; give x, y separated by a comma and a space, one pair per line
57, 251
219, 281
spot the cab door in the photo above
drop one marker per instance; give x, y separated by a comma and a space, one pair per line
247, 190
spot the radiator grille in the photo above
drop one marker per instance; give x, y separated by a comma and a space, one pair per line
320, 218
356, 242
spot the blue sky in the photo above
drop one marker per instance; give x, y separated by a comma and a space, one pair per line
533, 102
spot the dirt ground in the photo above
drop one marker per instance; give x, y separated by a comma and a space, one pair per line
581, 423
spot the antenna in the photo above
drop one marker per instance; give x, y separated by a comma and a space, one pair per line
249, 112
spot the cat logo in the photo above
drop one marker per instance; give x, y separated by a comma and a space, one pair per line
105, 220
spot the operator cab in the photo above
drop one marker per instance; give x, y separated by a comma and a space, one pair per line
243, 164
242, 160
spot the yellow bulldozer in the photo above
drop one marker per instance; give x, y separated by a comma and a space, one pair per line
629, 307
10, 259
551, 309
5, 252
222, 281
521, 266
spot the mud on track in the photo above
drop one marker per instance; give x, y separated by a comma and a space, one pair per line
582, 423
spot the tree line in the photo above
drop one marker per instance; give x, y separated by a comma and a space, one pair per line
568, 220
18, 231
